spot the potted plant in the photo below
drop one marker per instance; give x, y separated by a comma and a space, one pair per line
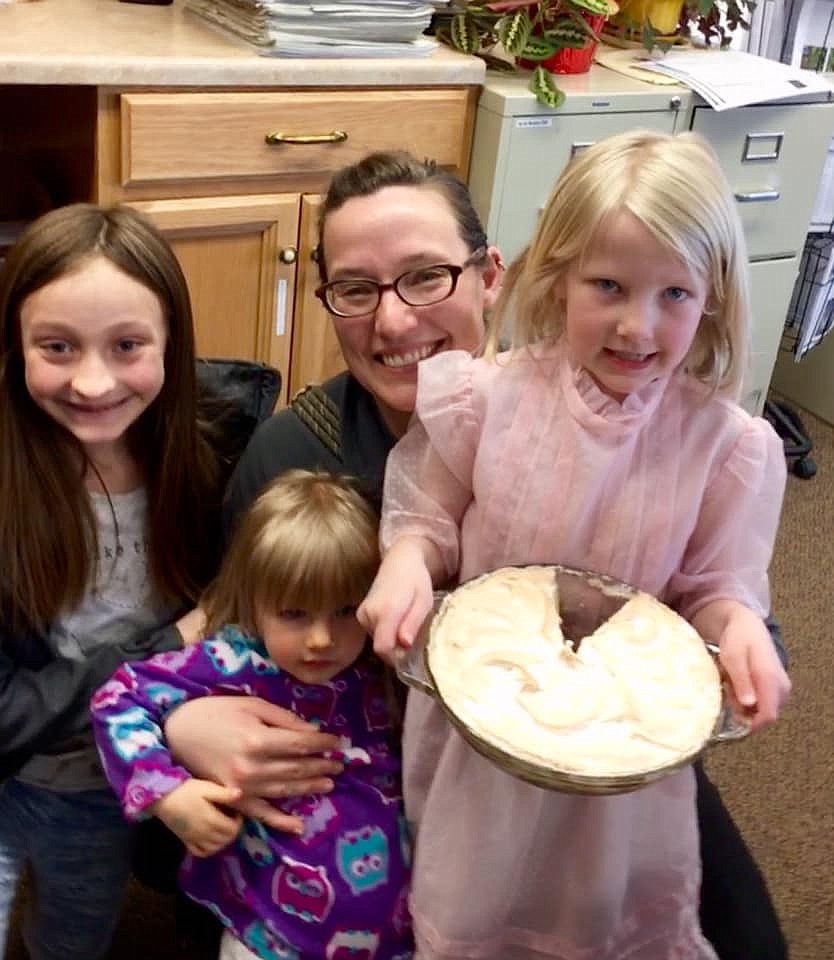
546, 36
657, 24
560, 36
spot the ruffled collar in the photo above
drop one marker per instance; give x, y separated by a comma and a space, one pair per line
598, 412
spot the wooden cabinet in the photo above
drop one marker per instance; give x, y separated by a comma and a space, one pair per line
233, 252
198, 136
234, 179
316, 352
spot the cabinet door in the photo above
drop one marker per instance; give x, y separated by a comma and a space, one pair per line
316, 354
241, 290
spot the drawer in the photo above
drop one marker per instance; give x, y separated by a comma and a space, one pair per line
773, 157
203, 136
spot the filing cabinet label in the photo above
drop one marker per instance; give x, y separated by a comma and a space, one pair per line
525, 123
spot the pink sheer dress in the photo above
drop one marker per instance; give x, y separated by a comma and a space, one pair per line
526, 460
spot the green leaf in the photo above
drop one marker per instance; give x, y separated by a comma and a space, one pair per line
464, 35
580, 23
513, 31
538, 48
566, 33
544, 87
705, 7
498, 63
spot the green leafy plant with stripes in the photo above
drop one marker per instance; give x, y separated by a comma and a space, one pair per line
523, 30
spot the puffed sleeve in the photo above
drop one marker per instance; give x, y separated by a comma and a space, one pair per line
128, 715
728, 554
428, 476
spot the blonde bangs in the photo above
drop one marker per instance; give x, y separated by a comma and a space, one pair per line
684, 199
309, 542
582, 198
317, 567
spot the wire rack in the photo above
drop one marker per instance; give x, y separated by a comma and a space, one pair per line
810, 314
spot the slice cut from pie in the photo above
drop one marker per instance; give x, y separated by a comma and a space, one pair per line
640, 693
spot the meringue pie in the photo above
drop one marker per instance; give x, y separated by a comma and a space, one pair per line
641, 692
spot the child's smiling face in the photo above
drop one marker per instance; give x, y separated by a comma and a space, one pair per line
94, 352
632, 307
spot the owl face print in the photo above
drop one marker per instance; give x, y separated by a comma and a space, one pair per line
352, 945
363, 857
303, 891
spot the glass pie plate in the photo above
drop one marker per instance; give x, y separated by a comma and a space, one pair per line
586, 601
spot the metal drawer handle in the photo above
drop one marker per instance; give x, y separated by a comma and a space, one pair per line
335, 136
579, 146
757, 196
762, 146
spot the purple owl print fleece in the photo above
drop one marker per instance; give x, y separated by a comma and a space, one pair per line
338, 891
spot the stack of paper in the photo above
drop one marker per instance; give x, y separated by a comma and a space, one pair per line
331, 28
732, 78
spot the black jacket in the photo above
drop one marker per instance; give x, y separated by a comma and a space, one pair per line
283, 442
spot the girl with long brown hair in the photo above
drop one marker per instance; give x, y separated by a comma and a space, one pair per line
109, 496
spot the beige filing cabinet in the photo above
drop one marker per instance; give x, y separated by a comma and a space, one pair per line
773, 155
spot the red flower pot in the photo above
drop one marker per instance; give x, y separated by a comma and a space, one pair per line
569, 60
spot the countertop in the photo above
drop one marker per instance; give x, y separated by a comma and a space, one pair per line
103, 42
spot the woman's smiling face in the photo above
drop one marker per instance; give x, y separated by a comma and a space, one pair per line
380, 237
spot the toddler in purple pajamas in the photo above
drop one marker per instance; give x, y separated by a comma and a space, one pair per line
281, 625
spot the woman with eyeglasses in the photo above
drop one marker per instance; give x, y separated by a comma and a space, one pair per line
406, 272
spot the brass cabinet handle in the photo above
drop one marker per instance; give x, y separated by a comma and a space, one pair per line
335, 136
288, 255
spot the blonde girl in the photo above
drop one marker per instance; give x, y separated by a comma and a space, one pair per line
282, 626
607, 438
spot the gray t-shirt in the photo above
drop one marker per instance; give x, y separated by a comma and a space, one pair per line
120, 602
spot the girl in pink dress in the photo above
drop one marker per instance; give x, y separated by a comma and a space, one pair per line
607, 438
